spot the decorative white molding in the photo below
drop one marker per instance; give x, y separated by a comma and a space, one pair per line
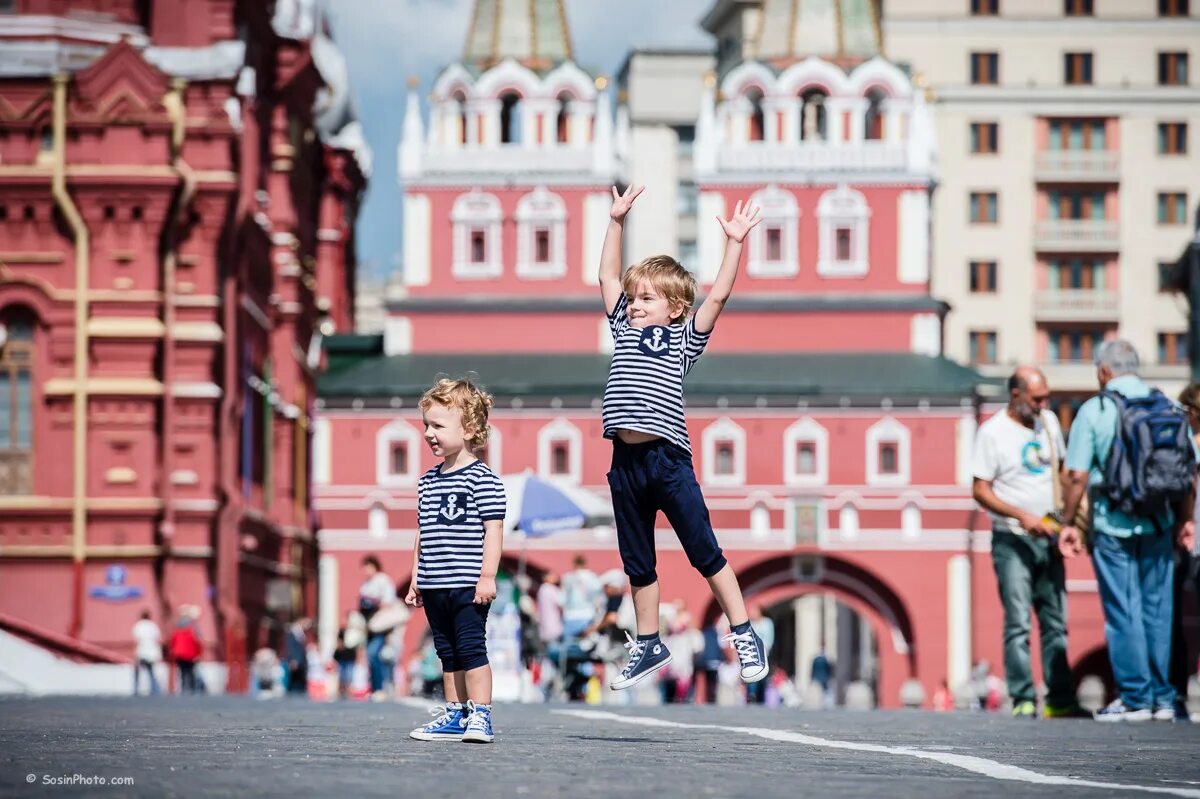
723, 430
322, 443
417, 234
887, 430
477, 211
495, 451
398, 431
377, 522
779, 212
910, 521
561, 430
806, 429
843, 207
541, 210
914, 234
848, 522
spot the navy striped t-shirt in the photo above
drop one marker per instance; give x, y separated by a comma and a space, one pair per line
451, 510
645, 380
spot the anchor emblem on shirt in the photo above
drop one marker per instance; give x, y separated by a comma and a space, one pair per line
654, 341
452, 511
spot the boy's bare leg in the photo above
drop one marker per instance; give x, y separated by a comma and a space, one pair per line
725, 588
645, 607
477, 684
455, 686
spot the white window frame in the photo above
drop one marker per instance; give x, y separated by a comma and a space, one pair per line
377, 521
561, 430
848, 524
397, 431
723, 429
910, 521
473, 211
837, 208
806, 429
779, 210
495, 438
541, 209
889, 430
760, 521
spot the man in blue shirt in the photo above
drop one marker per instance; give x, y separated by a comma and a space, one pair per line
1132, 555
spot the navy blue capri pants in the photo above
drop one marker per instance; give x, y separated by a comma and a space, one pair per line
647, 478
459, 627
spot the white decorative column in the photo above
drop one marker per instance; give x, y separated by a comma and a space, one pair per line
958, 618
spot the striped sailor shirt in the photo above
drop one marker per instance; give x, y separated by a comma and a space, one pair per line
645, 380
451, 510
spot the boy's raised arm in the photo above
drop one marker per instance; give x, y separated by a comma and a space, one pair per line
610, 255
736, 228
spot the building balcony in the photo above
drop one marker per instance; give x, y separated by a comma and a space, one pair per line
1077, 166
772, 158
1076, 235
1076, 305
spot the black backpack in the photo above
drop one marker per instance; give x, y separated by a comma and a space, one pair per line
1152, 462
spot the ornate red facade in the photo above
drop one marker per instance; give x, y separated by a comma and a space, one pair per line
178, 186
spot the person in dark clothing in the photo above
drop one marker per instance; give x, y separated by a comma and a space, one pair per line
296, 653
711, 657
822, 675
345, 657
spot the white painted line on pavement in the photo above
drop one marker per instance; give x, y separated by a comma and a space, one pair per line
979, 765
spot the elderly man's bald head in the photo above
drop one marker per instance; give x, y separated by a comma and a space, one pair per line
1026, 378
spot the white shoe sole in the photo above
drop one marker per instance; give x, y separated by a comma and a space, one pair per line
477, 738
428, 736
758, 675
621, 684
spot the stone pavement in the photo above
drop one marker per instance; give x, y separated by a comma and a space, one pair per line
235, 746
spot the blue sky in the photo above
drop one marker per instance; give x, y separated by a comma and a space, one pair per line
385, 41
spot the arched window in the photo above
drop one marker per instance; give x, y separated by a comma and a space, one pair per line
460, 106
377, 521
397, 451
757, 121
774, 249
843, 220
562, 125
760, 521
510, 118
888, 453
16, 402
560, 451
813, 116
873, 121
477, 221
724, 461
848, 522
806, 453
541, 235
910, 521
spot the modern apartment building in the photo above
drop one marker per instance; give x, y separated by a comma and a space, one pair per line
1068, 164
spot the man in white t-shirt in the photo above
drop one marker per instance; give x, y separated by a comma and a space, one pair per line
147, 639
1017, 457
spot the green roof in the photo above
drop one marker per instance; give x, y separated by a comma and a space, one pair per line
894, 375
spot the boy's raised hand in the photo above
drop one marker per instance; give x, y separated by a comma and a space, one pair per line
623, 202
737, 226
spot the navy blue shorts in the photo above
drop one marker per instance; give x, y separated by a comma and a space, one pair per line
647, 478
459, 627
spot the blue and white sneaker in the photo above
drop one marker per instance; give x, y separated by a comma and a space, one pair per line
645, 658
449, 725
1117, 712
751, 654
479, 725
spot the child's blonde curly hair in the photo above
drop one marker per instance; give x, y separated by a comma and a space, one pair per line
668, 277
474, 403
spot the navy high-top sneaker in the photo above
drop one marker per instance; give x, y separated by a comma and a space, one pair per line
645, 658
751, 653
449, 725
479, 724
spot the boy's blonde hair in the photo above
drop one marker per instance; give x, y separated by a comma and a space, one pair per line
470, 399
668, 277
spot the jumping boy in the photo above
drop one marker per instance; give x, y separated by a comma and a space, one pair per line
460, 518
657, 341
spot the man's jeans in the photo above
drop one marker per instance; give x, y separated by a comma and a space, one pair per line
1135, 576
375, 665
1030, 573
137, 674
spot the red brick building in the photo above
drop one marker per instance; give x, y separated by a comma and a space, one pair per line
179, 181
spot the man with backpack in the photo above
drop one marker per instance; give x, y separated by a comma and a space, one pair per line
1131, 449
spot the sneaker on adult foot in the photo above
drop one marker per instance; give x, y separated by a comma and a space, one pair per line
479, 724
1164, 712
1025, 710
449, 725
751, 654
1181, 713
645, 658
1118, 712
